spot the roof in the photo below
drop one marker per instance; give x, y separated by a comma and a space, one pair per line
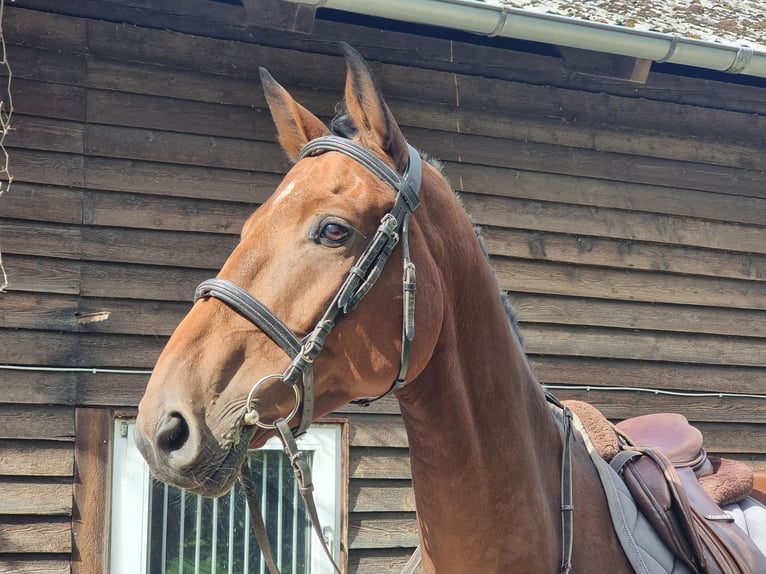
741, 22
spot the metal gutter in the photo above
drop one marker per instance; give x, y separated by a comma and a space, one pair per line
509, 22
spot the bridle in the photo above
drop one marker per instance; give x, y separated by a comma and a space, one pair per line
363, 274
393, 228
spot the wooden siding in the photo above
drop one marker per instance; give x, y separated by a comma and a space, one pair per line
626, 221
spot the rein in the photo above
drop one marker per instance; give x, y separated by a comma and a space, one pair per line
362, 276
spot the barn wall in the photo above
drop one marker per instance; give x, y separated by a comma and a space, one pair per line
626, 221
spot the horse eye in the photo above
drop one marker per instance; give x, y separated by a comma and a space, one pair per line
333, 234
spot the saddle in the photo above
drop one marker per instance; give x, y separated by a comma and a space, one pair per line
679, 488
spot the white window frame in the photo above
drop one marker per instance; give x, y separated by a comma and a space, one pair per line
131, 485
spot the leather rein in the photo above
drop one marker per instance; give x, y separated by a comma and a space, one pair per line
394, 226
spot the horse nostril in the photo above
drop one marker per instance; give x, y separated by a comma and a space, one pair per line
172, 433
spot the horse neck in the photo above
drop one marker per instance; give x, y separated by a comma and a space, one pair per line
483, 443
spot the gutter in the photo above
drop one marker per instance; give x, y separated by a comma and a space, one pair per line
509, 22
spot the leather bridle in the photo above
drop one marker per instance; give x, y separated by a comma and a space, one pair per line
365, 272
394, 226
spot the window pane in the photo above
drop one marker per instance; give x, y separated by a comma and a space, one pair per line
192, 535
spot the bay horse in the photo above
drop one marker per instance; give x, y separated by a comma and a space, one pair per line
486, 448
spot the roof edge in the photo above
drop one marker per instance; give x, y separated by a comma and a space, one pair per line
510, 22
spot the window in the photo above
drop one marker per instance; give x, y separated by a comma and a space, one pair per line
157, 529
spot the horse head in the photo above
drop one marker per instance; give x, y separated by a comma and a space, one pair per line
248, 351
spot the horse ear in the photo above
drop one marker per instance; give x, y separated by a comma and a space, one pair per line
296, 125
376, 125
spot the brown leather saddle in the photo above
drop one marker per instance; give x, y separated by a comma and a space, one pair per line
679, 488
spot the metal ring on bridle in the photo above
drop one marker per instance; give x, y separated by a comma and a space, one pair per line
252, 417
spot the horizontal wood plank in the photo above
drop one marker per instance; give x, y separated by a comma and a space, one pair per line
22, 535
380, 561
35, 497
623, 254
627, 285
43, 203
638, 345
671, 376
30, 564
186, 181
44, 240
379, 463
532, 308
605, 222
36, 422
185, 149
377, 430
164, 213
42, 274
36, 458
615, 194
381, 496
368, 530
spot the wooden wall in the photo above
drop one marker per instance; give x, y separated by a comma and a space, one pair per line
627, 222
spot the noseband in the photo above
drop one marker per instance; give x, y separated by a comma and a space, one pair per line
362, 276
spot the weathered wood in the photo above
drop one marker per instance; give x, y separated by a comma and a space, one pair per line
39, 311
33, 202
48, 99
135, 281
21, 535
42, 274
634, 226
36, 422
186, 116
377, 430
170, 180
46, 134
46, 240
92, 486
368, 530
381, 496
143, 78
185, 149
47, 65
606, 65
626, 254
30, 387
375, 462
531, 156
655, 287
733, 437
154, 247
532, 308
45, 30
588, 191
54, 168
26, 347
671, 376
170, 214
36, 458
380, 561
627, 344
30, 564
35, 497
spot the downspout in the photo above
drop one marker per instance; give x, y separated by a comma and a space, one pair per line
506, 21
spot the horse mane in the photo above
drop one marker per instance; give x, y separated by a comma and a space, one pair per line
342, 125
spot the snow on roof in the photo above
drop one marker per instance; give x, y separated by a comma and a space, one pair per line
740, 22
